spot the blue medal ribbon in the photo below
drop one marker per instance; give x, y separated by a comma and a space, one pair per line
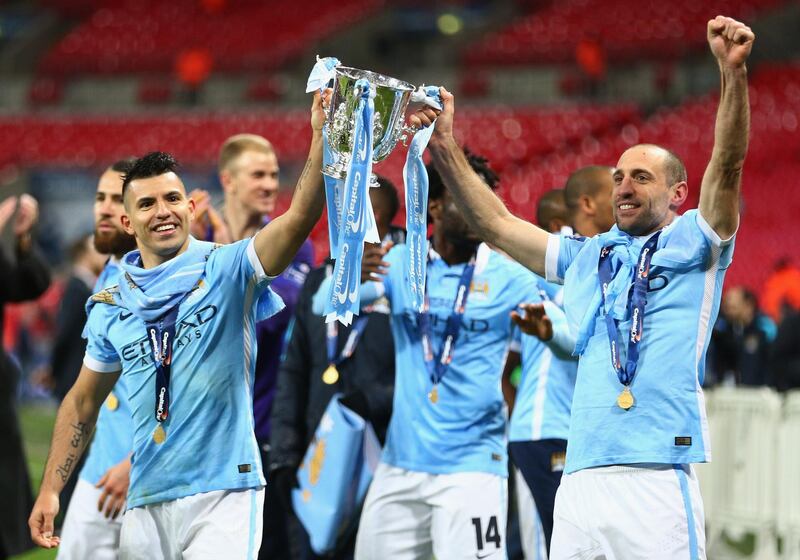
636, 303
332, 337
438, 367
415, 178
160, 336
344, 298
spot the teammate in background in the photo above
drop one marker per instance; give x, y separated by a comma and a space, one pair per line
587, 196
540, 422
366, 375
86, 264
92, 523
180, 302
441, 485
249, 173
638, 420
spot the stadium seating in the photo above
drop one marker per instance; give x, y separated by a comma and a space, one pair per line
148, 35
533, 149
552, 34
773, 163
508, 136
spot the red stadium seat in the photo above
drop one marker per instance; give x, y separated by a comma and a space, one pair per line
552, 33
533, 149
243, 35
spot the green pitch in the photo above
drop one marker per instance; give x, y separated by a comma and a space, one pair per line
37, 427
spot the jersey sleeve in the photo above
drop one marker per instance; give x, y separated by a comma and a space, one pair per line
725, 245
240, 263
562, 344
100, 356
561, 251
692, 242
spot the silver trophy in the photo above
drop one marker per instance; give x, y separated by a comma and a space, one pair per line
391, 100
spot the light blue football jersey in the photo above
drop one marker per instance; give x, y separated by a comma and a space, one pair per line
465, 430
667, 423
544, 395
113, 433
210, 444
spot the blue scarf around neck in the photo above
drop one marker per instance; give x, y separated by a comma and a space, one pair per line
148, 293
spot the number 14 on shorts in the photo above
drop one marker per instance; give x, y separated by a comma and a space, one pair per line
489, 535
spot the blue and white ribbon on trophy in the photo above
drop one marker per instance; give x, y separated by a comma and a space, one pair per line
345, 300
321, 75
351, 220
415, 178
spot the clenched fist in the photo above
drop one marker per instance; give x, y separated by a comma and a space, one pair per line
731, 41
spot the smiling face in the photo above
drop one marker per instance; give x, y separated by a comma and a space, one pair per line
158, 213
644, 201
109, 236
252, 181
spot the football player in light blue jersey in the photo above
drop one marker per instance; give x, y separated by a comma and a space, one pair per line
92, 523
540, 420
440, 488
180, 327
641, 300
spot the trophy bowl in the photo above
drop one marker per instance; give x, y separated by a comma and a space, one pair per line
391, 100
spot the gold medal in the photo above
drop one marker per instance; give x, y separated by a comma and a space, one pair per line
625, 399
159, 435
331, 375
433, 396
112, 402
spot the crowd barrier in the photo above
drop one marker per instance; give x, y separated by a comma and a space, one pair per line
752, 484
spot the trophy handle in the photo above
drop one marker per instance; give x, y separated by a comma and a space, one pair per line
407, 132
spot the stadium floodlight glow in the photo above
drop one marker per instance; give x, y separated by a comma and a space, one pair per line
449, 24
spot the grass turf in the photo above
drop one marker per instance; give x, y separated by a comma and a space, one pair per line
37, 427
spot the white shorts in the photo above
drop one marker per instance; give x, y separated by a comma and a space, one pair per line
648, 512
87, 533
411, 515
534, 545
210, 526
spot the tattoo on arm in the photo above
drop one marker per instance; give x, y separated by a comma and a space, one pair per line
80, 433
304, 174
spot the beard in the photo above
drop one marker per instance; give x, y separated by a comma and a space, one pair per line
461, 238
117, 243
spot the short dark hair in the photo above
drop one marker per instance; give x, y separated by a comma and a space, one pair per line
150, 165
551, 207
585, 181
478, 163
674, 169
389, 192
123, 165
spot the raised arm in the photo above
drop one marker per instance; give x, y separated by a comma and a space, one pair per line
29, 276
74, 424
278, 242
730, 42
484, 211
